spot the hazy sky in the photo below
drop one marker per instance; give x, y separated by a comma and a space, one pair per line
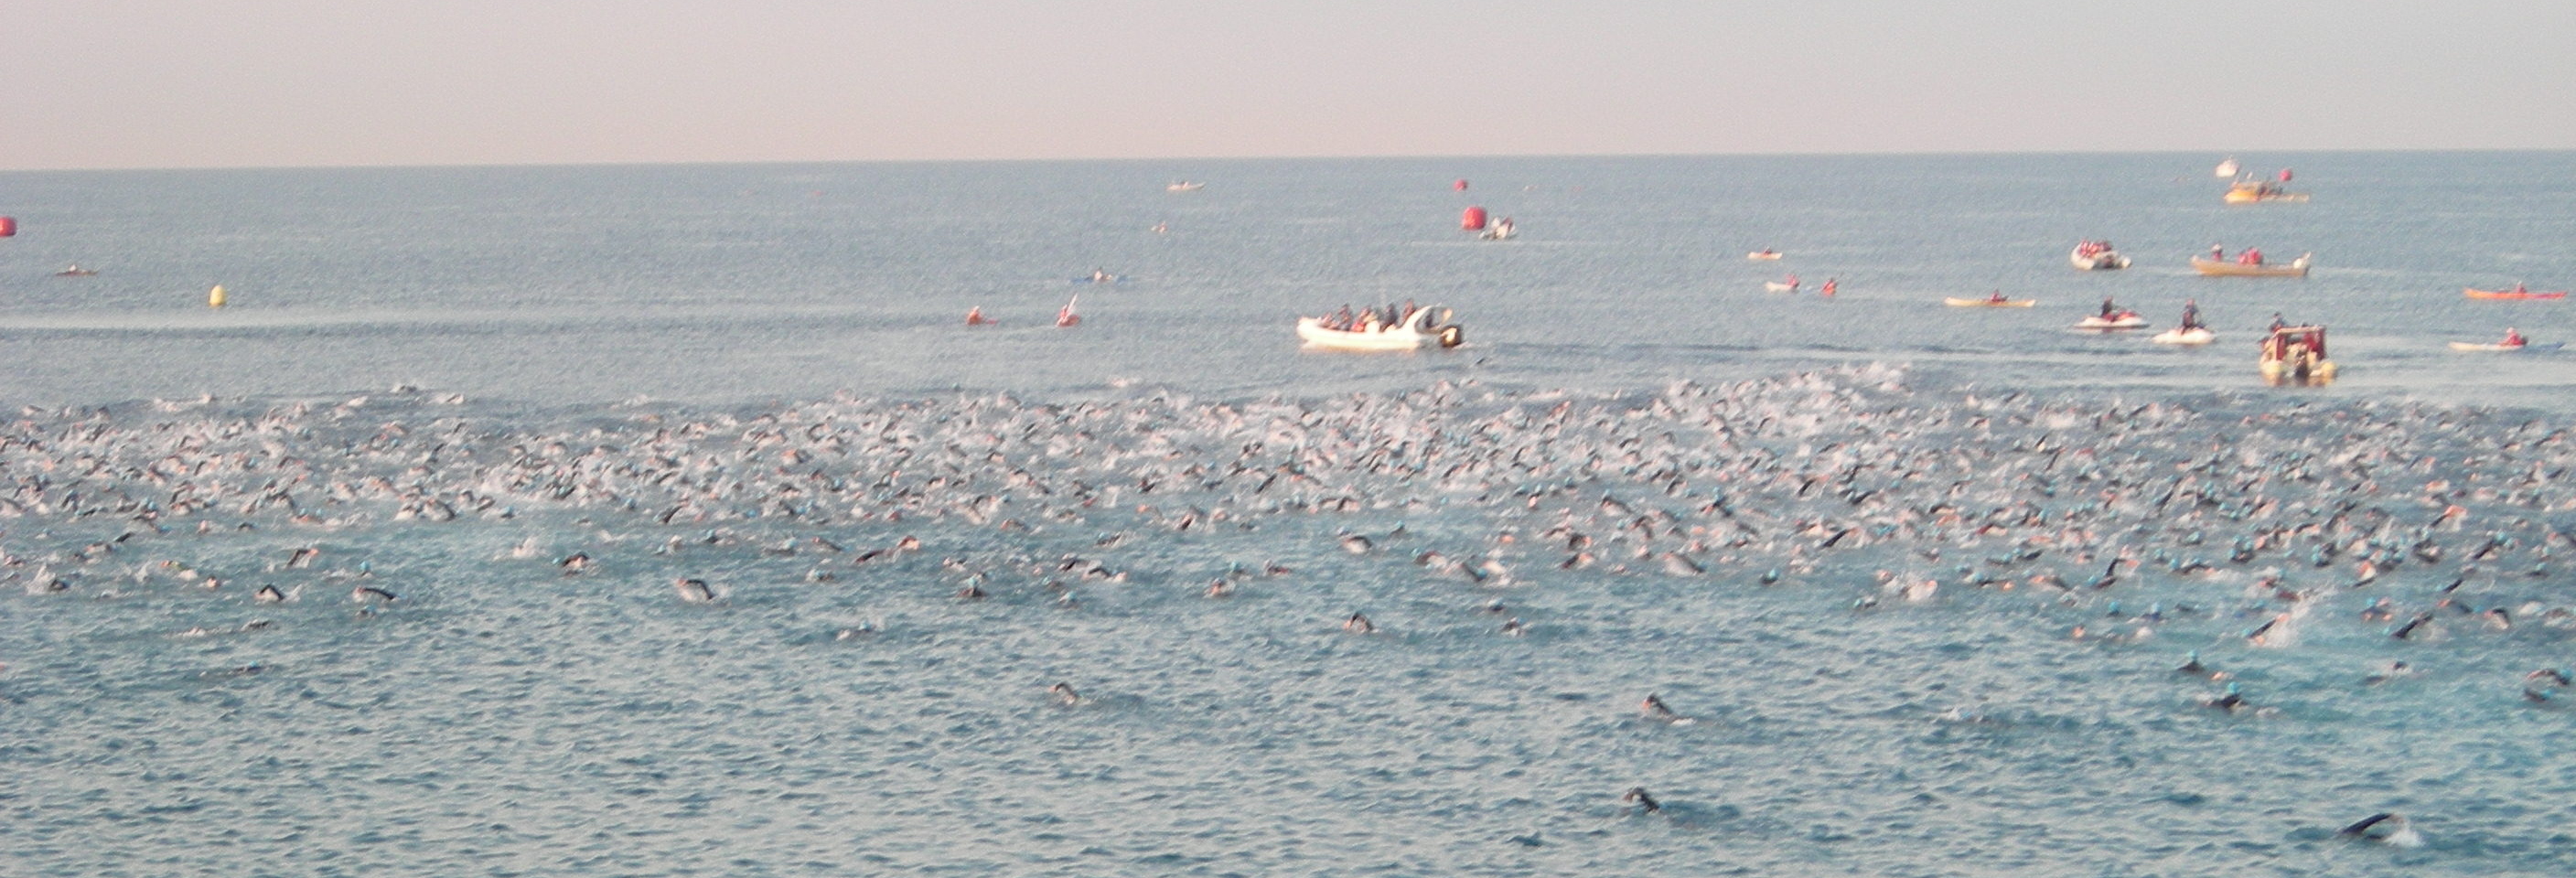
199, 83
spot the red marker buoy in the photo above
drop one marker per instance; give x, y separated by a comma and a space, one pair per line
1473, 220
2285, 175
8, 226
1461, 185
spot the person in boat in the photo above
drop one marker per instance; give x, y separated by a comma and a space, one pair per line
2277, 322
2109, 310
1997, 297
2518, 288
2513, 337
975, 316
1827, 289
2190, 314
2251, 256
2217, 253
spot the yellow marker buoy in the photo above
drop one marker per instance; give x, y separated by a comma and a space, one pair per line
215, 297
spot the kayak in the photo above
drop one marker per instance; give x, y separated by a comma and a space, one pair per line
1780, 286
2505, 348
2194, 335
2475, 293
2297, 268
1956, 302
1763, 255
2122, 320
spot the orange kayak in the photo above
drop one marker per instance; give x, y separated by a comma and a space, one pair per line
2475, 293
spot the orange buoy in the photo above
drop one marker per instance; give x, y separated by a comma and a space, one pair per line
2285, 175
1473, 220
8, 226
1461, 185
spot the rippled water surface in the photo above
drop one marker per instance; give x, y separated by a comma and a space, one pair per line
1918, 577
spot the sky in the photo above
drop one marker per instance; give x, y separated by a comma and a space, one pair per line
294, 83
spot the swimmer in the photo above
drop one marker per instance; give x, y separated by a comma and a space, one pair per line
1645, 803
369, 594
1654, 709
2231, 701
2384, 826
268, 594
1359, 623
694, 591
1064, 694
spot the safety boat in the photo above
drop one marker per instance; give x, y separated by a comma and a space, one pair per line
2253, 191
2120, 320
1418, 330
1765, 254
1185, 186
2227, 168
1993, 301
2518, 292
2296, 354
2097, 256
2219, 268
2197, 335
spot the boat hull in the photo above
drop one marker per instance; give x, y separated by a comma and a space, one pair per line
1414, 335
2124, 321
2214, 268
1778, 287
2492, 347
2106, 260
1956, 302
1763, 256
2197, 335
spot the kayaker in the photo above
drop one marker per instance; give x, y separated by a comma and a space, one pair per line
975, 316
1828, 288
2512, 337
1996, 297
2277, 322
2217, 253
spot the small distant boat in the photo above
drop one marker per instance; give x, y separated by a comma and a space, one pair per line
2516, 293
1784, 285
1065, 316
2227, 168
2501, 347
2296, 354
1416, 332
975, 317
1100, 276
75, 271
1185, 186
2218, 268
2121, 320
1988, 302
1763, 254
2096, 256
1501, 230
2251, 191
2197, 335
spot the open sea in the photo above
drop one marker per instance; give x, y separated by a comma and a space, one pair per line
666, 520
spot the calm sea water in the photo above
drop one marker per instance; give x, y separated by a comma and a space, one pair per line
505, 719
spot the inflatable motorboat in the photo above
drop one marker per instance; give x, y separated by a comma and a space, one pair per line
1416, 332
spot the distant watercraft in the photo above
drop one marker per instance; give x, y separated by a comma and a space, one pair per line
2505, 348
2227, 168
2516, 293
1765, 253
2197, 335
1065, 316
2296, 354
75, 271
2220, 268
1414, 333
2096, 256
1185, 186
2251, 191
2121, 320
1988, 302
1784, 285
